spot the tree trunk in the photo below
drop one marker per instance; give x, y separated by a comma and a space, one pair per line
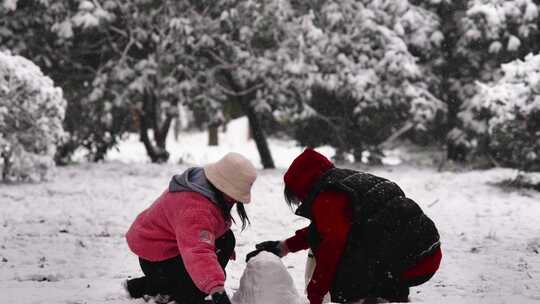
258, 134
254, 122
157, 153
339, 157
224, 125
213, 139
163, 131
7, 165
450, 12
64, 153
101, 151
176, 128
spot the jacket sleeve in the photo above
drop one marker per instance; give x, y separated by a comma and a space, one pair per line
298, 241
331, 214
195, 234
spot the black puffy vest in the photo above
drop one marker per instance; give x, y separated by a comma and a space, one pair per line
389, 234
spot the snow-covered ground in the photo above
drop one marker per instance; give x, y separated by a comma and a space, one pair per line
62, 241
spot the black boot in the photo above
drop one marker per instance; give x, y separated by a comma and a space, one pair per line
136, 287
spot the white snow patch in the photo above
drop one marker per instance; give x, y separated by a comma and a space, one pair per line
513, 43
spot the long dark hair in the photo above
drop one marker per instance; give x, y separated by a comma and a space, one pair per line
291, 199
226, 208
242, 215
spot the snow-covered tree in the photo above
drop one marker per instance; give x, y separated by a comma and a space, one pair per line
246, 52
64, 40
503, 118
201, 54
477, 37
493, 32
417, 26
142, 58
374, 85
31, 114
480, 35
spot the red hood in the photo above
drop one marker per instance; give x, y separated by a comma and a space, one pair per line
305, 171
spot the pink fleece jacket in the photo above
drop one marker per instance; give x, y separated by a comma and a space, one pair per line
186, 224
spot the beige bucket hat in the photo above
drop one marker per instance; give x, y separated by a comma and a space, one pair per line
233, 175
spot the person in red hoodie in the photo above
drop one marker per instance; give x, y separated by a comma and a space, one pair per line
183, 240
369, 240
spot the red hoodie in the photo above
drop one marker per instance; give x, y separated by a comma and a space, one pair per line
331, 213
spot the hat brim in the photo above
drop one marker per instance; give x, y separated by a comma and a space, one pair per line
223, 185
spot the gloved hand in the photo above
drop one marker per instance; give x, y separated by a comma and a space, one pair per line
252, 254
276, 247
220, 297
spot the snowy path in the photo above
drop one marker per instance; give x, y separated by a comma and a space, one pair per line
62, 241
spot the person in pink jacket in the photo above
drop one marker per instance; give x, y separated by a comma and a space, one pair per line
183, 240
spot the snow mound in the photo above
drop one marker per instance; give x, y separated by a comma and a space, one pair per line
266, 281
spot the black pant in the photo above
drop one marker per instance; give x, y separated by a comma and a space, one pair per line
399, 291
171, 277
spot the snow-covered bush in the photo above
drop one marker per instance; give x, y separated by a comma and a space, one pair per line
65, 40
503, 26
31, 114
503, 119
367, 84
487, 34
